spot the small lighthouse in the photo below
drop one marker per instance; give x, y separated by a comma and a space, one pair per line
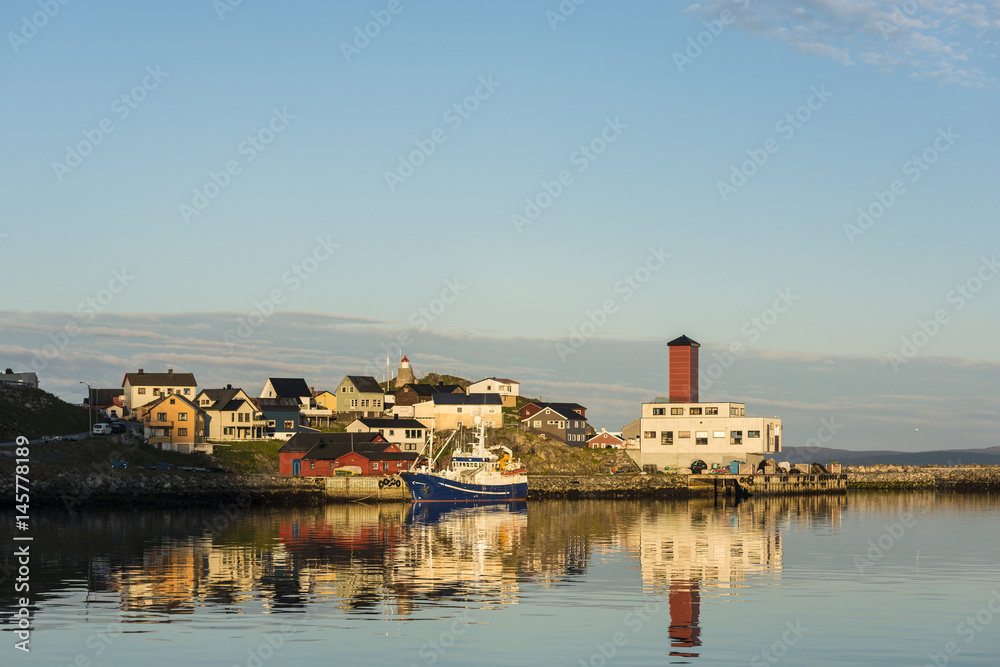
405, 374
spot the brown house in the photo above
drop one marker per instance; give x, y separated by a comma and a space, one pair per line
529, 409
559, 423
411, 394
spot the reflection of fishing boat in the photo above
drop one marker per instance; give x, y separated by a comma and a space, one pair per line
476, 475
432, 513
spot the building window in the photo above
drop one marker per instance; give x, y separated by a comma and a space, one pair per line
676, 411
289, 424
161, 416
711, 411
683, 434
270, 423
667, 438
538, 423
374, 465
718, 434
173, 401
354, 402
736, 437
657, 412
312, 465
187, 391
753, 434
695, 411
459, 410
741, 412
343, 390
182, 432
649, 435
182, 416
141, 390
701, 437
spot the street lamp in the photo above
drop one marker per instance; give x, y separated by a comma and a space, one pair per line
90, 407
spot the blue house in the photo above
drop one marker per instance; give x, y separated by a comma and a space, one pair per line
281, 417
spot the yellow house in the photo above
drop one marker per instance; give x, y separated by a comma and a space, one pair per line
326, 400
172, 423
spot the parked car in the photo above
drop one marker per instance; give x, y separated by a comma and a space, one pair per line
102, 429
119, 464
118, 427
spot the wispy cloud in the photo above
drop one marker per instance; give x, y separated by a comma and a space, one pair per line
941, 40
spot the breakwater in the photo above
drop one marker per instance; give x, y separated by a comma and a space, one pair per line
607, 486
941, 478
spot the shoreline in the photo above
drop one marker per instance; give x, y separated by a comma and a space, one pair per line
75, 491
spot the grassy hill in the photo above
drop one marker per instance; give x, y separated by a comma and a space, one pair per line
34, 413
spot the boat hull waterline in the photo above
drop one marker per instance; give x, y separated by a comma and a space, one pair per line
426, 488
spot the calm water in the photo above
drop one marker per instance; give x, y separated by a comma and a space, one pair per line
862, 579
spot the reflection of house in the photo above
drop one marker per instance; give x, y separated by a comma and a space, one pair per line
507, 390
280, 416
142, 388
360, 396
448, 411
409, 434
230, 414
559, 423
174, 424
679, 430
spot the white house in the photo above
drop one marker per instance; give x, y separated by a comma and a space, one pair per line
142, 388
409, 434
507, 390
448, 411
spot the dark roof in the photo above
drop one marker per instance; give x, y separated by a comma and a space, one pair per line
286, 404
289, 387
365, 384
421, 389
170, 379
303, 442
388, 456
683, 340
567, 410
103, 397
220, 397
463, 399
232, 406
391, 423
149, 406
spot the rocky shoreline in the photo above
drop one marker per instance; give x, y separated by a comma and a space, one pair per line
72, 491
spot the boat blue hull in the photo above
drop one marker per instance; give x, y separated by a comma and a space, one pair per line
430, 489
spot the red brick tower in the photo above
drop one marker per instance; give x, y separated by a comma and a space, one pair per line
683, 370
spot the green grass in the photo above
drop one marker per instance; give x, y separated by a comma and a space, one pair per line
260, 456
34, 413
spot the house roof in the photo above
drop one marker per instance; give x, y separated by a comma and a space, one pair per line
150, 406
605, 434
104, 397
389, 423
500, 380
329, 446
683, 340
286, 404
169, 379
467, 399
220, 397
431, 389
289, 387
558, 407
386, 456
233, 406
565, 410
365, 384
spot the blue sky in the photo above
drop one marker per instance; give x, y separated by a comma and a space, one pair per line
667, 123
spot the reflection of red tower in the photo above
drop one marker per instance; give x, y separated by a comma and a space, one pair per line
685, 603
683, 370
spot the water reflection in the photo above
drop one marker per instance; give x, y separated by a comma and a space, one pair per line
391, 560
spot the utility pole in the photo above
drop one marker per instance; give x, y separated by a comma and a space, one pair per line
90, 407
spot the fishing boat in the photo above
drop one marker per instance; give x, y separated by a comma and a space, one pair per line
475, 475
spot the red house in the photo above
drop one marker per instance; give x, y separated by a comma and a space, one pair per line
323, 449
604, 440
373, 464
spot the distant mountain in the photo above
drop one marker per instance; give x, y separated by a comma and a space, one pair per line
987, 456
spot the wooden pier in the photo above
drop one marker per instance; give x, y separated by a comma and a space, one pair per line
768, 485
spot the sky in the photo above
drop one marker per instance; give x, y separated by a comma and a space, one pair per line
543, 190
